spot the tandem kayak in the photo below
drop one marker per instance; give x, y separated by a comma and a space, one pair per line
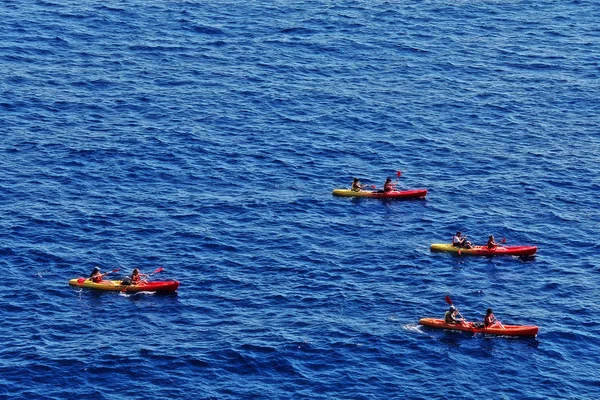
117, 286
508, 330
405, 194
485, 251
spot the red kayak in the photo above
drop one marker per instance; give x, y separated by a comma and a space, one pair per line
504, 330
375, 194
522, 251
117, 286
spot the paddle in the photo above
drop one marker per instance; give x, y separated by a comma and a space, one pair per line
449, 301
398, 175
81, 280
495, 322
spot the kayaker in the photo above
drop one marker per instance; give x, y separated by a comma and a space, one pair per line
451, 316
356, 185
491, 244
489, 320
388, 186
96, 275
136, 277
459, 241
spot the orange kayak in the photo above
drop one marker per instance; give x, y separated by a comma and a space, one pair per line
508, 330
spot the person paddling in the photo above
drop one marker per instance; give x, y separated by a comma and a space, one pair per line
388, 186
451, 316
489, 320
356, 185
136, 277
459, 241
96, 276
491, 243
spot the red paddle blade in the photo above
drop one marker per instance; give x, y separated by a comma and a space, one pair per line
448, 300
503, 240
116, 270
398, 173
158, 270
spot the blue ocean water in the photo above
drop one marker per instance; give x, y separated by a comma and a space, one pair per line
205, 138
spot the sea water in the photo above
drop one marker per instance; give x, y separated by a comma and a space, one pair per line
205, 138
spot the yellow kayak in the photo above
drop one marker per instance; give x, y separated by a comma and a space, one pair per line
117, 286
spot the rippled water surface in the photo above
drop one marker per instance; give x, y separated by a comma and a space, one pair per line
206, 137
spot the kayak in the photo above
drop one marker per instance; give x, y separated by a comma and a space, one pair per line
374, 194
117, 286
485, 251
509, 330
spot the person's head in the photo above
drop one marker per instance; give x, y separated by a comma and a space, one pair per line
491, 237
458, 233
452, 308
136, 271
488, 312
96, 270
388, 179
355, 179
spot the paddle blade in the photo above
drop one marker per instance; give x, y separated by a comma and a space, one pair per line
503, 240
157, 271
448, 300
398, 173
116, 270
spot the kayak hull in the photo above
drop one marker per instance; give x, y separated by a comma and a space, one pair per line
116, 286
508, 330
521, 251
405, 194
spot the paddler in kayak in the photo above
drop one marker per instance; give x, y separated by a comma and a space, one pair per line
489, 320
451, 316
388, 186
136, 277
459, 241
491, 243
356, 185
96, 275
